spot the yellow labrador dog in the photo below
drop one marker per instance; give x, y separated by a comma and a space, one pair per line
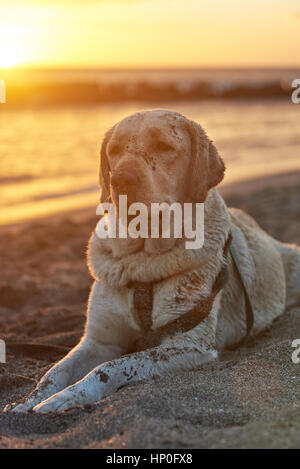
155, 307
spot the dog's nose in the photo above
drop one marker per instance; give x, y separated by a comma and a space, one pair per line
124, 180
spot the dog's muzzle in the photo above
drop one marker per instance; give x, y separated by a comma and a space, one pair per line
124, 182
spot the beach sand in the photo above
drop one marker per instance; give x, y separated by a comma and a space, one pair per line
250, 398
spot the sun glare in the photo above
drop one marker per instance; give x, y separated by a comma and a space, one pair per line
11, 47
8, 60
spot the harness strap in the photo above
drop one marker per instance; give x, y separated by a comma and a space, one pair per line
249, 309
143, 305
184, 323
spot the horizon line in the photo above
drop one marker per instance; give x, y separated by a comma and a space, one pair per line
148, 67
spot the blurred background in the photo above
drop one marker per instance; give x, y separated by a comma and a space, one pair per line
73, 68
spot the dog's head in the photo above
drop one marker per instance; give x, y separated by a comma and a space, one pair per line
158, 156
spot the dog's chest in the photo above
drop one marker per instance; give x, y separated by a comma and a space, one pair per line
152, 306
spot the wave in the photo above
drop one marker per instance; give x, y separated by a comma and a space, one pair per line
75, 93
16, 179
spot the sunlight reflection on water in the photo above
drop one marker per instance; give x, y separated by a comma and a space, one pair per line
49, 156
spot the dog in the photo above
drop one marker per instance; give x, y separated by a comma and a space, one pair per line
143, 317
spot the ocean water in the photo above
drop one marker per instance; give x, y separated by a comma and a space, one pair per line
49, 155
184, 76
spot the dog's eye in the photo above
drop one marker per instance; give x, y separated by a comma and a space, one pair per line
162, 146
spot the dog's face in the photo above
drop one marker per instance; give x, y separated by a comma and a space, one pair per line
158, 156
148, 156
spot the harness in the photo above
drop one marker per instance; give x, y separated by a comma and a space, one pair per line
143, 306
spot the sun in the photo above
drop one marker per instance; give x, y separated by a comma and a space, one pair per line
11, 47
9, 55
7, 61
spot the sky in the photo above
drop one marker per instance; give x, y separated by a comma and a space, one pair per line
150, 33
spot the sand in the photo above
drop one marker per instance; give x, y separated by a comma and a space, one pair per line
248, 399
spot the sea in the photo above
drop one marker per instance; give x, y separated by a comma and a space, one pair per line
49, 154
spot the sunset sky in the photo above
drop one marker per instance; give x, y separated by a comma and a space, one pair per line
149, 33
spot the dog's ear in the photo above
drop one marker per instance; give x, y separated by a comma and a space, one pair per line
207, 167
216, 166
104, 178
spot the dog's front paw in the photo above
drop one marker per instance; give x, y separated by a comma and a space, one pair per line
57, 403
86, 391
66, 399
10, 407
20, 407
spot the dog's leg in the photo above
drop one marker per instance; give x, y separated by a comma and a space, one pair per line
105, 338
182, 352
110, 376
82, 359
